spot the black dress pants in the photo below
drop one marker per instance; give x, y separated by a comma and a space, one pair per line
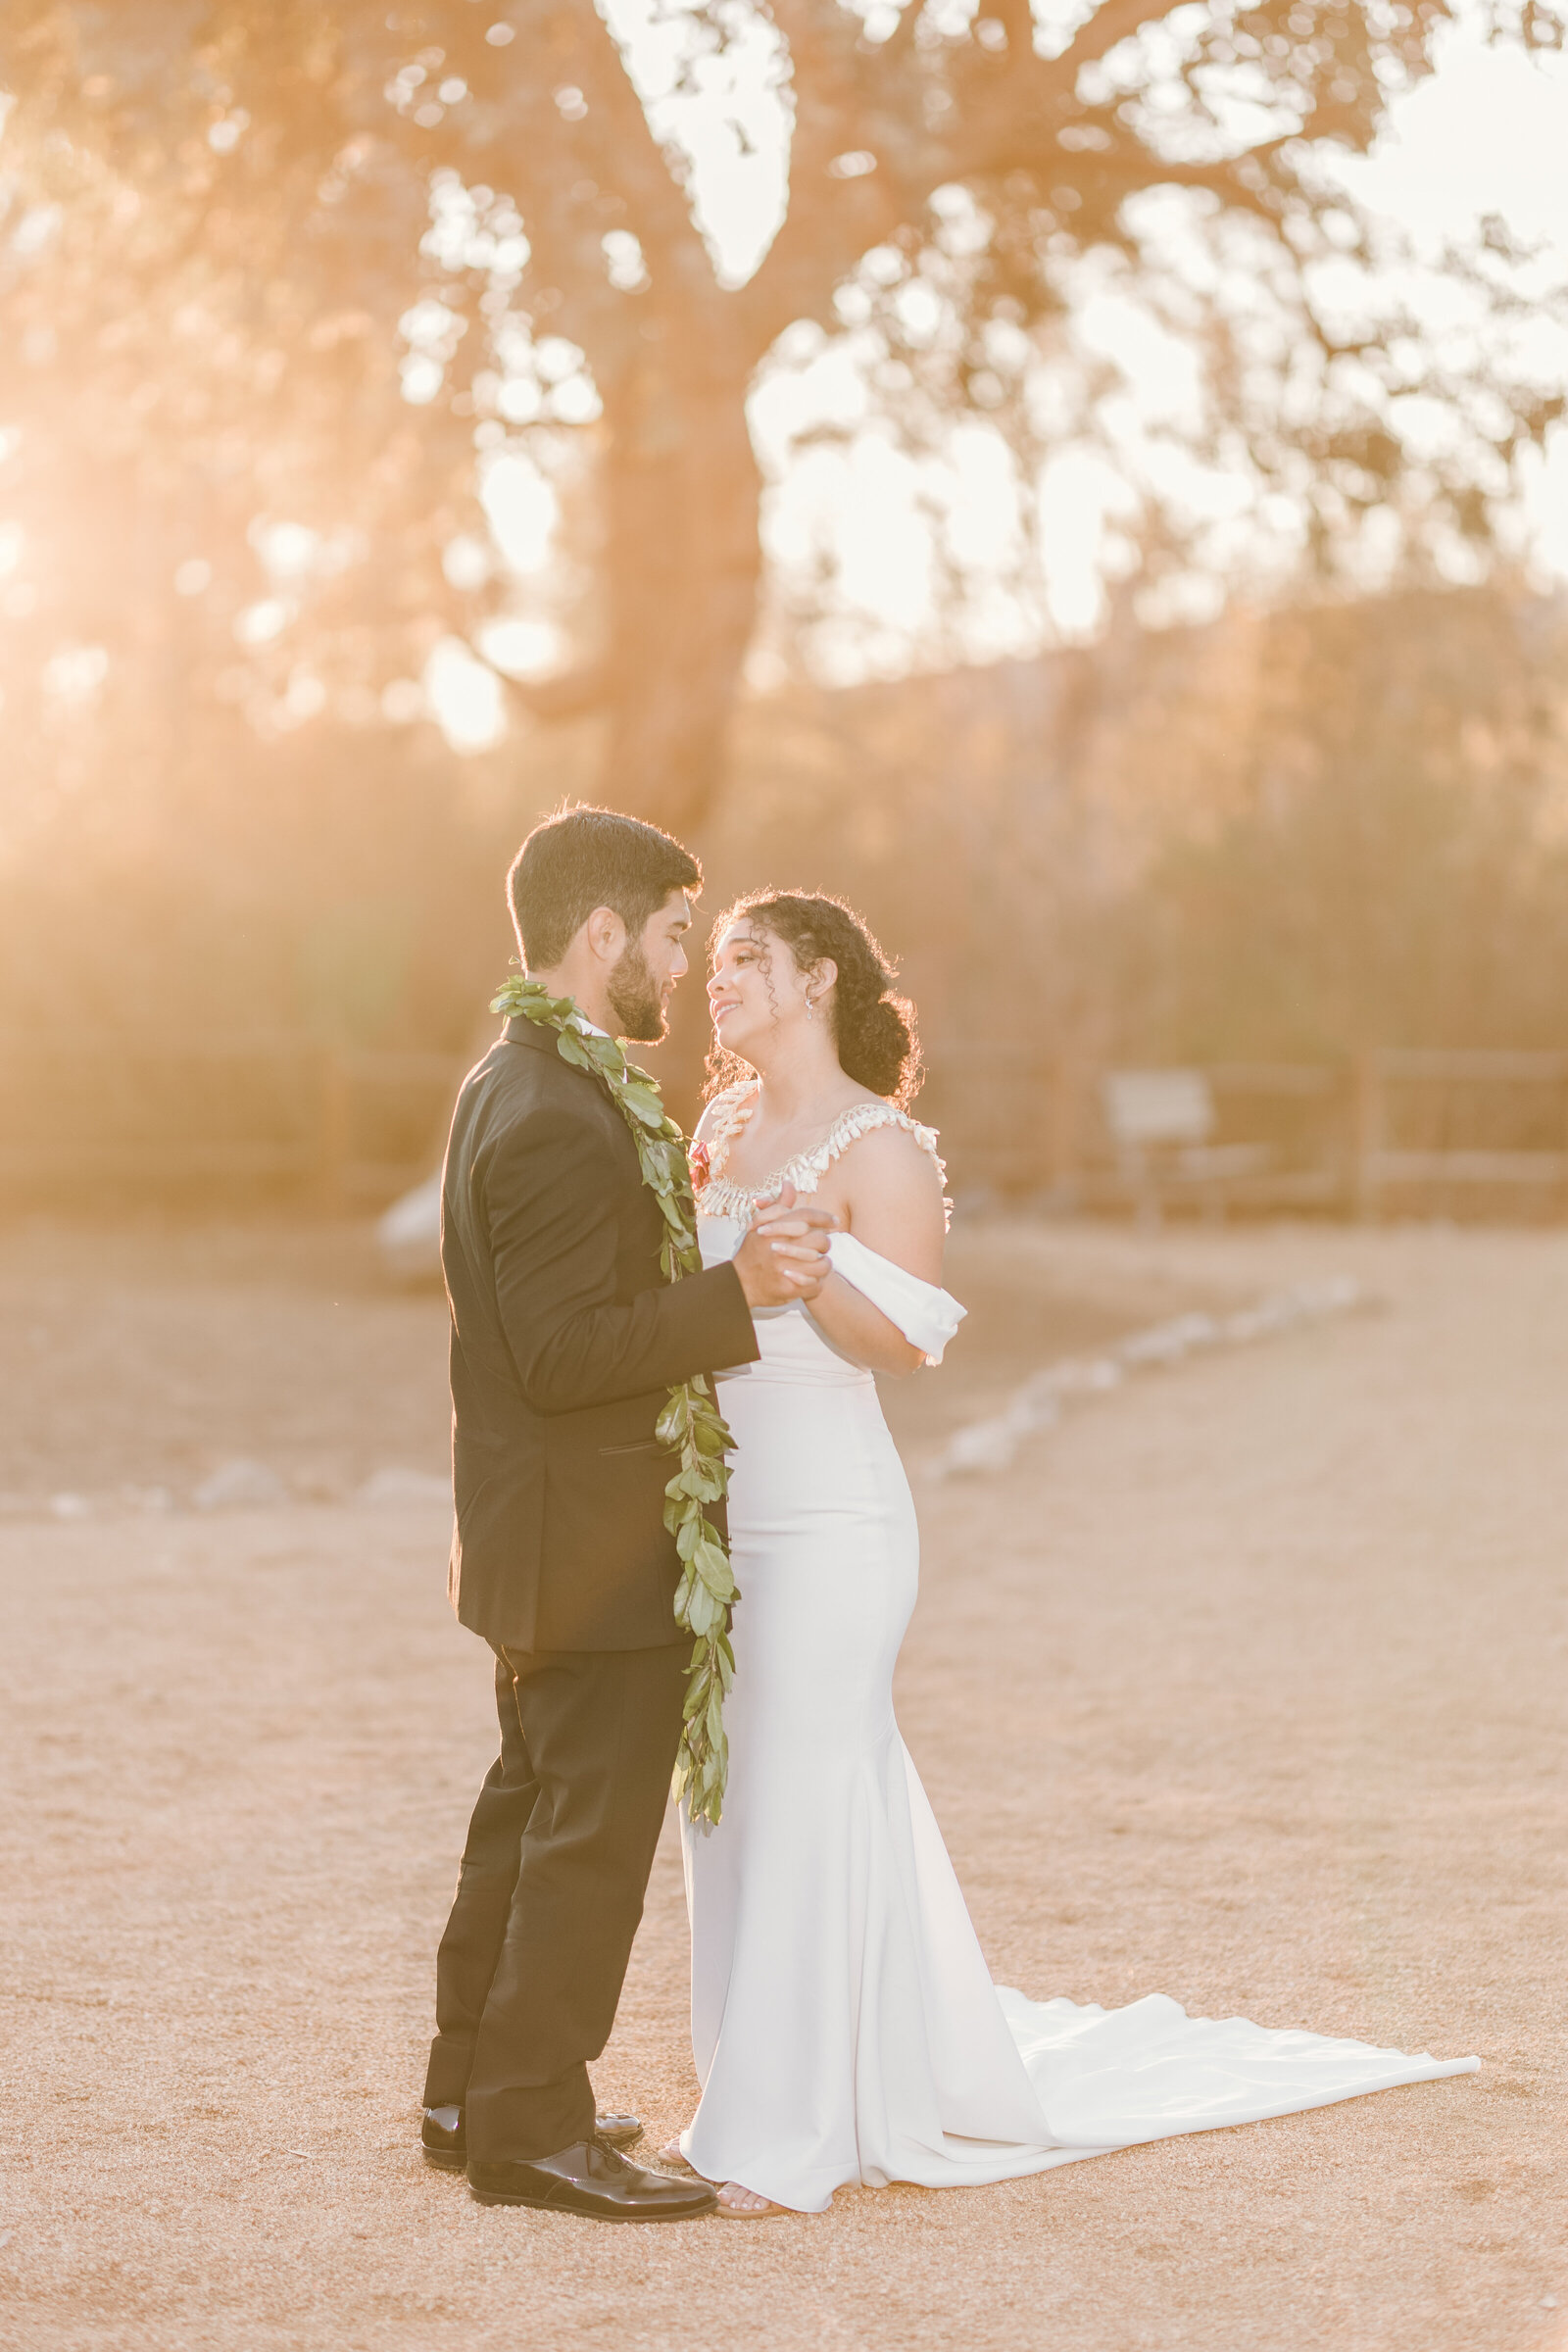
551, 1890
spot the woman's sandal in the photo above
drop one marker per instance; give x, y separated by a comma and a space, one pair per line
761, 2210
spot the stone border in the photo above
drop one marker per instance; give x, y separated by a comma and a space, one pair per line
991, 1445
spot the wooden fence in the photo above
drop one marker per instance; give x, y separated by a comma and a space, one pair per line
1393, 1132
92, 1121
1458, 1130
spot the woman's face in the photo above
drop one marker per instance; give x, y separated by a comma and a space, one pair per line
756, 991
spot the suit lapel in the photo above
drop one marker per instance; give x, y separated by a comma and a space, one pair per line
517, 1031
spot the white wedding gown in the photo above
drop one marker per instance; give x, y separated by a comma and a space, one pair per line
844, 2022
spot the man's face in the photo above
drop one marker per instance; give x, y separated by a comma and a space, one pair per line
641, 983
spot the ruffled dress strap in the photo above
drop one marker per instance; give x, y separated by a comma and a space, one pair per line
727, 1113
733, 1109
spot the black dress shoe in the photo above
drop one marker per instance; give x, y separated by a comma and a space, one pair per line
593, 2179
618, 2130
441, 2135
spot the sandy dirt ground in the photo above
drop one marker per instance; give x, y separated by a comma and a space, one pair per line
1246, 1685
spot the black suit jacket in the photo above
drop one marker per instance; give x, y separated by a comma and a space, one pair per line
565, 1341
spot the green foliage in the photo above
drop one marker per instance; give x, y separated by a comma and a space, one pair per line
691, 1426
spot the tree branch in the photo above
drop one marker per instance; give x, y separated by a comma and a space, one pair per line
895, 105
1110, 23
1017, 21
900, 40
579, 167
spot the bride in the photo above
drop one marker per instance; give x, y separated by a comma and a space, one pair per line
843, 2023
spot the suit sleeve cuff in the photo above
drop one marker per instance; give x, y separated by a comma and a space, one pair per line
726, 1316
704, 1325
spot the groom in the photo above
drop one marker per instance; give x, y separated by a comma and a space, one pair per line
565, 1341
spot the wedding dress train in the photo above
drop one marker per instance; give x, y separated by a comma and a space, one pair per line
844, 2022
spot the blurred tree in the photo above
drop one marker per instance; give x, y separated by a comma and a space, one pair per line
1285, 835
274, 271
1383, 859
219, 504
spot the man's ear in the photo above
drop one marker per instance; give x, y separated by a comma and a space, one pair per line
606, 935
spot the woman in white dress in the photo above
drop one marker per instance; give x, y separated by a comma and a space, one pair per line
844, 2023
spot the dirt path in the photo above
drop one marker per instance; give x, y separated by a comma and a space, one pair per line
1246, 1685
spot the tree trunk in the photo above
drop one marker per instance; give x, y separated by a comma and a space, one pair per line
682, 566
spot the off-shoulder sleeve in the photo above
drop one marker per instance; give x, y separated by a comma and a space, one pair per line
927, 1316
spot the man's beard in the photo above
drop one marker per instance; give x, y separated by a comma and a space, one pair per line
633, 995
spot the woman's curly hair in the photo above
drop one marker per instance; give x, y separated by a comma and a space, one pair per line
873, 1029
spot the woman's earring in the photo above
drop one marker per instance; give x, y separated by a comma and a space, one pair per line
810, 1008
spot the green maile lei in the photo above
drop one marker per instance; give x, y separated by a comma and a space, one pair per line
691, 1424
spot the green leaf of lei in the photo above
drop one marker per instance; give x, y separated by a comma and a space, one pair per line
691, 1426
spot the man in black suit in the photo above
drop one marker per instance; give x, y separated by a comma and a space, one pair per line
565, 1341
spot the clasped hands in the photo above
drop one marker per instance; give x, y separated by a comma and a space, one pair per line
784, 1255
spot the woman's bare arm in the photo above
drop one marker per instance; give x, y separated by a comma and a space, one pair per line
889, 1196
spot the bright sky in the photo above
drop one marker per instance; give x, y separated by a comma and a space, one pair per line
1485, 134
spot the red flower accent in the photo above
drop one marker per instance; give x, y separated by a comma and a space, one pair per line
700, 1171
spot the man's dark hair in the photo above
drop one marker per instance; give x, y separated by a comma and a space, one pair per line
588, 858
